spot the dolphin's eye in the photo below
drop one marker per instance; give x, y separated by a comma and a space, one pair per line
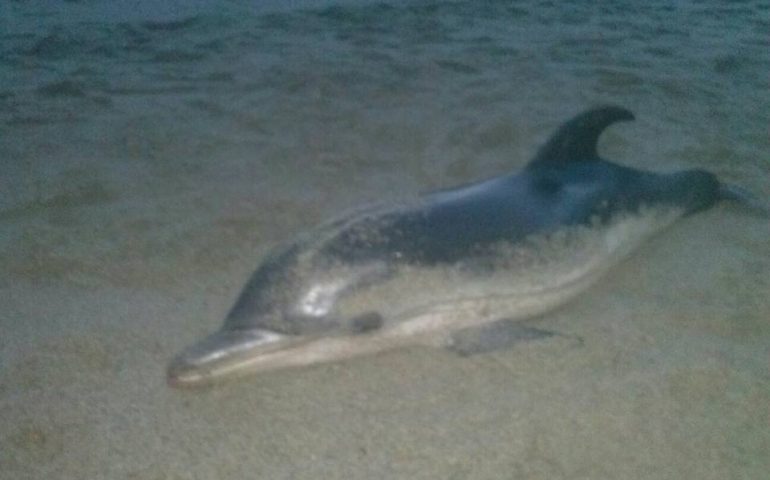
547, 185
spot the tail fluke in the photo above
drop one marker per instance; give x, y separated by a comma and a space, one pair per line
744, 197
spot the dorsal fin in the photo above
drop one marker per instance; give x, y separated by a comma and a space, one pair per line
576, 139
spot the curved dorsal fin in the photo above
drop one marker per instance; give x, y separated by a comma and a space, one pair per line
576, 139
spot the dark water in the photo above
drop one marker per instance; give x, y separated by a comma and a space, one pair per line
161, 147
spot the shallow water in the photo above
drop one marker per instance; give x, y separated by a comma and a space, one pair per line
149, 155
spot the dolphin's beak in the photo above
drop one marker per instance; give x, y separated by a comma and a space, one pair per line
223, 354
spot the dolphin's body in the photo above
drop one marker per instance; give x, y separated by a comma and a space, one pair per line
424, 272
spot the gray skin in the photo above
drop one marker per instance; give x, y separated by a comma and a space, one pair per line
353, 286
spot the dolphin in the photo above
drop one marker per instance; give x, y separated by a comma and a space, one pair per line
460, 267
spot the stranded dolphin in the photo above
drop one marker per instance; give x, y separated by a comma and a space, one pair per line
451, 265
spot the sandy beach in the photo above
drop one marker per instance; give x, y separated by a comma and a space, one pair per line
149, 163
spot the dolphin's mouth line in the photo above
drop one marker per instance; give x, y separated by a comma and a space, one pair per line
224, 354
286, 352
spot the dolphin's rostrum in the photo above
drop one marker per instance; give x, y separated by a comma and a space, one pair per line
482, 255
